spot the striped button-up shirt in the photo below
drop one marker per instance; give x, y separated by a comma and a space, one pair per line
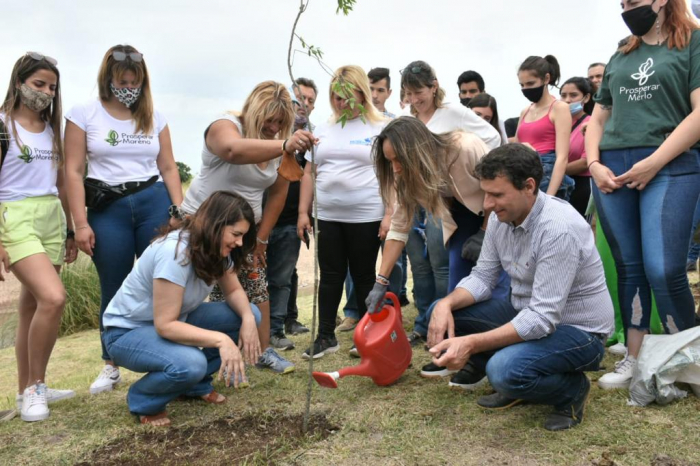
556, 273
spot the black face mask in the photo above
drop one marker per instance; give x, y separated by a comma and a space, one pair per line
465, 101
640, 20
534, 94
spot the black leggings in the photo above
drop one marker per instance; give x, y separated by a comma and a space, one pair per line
582, 193
341, 245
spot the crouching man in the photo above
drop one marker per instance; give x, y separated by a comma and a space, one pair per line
536, 347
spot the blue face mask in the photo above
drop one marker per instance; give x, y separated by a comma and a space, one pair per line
576, 107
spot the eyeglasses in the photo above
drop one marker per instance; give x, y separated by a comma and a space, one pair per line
38, 57
133, 56
413, 69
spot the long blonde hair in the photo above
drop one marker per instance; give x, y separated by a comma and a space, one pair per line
425, 159
268, 99
355, 75
142, 110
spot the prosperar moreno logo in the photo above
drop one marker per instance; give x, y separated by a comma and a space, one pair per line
112, 138
26, 155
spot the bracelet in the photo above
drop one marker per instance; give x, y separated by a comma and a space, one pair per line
70, 234
284, 145
594, 161
382, 280
81, 228
262, 241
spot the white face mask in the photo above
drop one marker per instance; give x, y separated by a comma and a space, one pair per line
126, 95
33, 99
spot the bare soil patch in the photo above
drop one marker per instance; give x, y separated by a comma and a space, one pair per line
259, 438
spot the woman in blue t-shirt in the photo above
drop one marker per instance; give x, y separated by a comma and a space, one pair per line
158, 320
647, 180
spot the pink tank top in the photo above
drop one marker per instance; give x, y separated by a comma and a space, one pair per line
540, 134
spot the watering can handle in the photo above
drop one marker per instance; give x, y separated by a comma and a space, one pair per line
395, 302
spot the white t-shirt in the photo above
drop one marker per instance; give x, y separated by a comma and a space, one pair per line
452, 116
116, 153
249, 180
30, 168
132, 306
346, 183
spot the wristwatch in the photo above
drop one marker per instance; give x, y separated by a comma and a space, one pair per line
175, 212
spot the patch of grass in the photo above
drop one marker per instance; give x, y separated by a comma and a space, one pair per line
416, 421
82, 311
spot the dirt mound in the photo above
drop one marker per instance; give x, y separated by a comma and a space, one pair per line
261, 438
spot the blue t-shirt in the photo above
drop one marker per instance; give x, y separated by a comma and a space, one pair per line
132, 306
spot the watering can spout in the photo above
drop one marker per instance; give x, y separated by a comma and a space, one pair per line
383, 346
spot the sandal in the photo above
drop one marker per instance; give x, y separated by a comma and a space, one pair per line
149, 419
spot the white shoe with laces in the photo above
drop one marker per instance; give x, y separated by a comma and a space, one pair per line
34, 405
621, 376
105, 382
618, 348
52, 395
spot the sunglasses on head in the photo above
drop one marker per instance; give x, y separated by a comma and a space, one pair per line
133, 56
39, 56
413, 69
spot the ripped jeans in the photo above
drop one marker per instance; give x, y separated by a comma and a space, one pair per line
566, 188
649, 232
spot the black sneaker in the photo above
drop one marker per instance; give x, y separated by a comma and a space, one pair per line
497, 401
468, 378
416, 339
403, 300
431, 370
322, 347
571, 416
294, 327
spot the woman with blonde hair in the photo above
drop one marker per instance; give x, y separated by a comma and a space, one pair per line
36, 234
132, 178
242, 153
642, 152
352, 219
434, 172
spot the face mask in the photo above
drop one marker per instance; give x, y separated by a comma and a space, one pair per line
465, 101
640, 20
534, 94
576, 107
126, 95
33, 99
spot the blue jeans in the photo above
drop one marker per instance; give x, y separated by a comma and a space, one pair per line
404, 273
395, 283
649, 232
567, 184
694, 250
545, 371
468, 224
173, 369
430, 266
123, 231
282, 256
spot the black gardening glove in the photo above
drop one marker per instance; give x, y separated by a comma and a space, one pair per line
375, 298
472, 246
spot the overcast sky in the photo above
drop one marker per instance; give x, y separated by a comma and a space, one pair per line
205, 56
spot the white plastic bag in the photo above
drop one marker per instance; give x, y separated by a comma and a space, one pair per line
664, 360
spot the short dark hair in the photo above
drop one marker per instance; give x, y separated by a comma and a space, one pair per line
377, 74
593, 65
514, 161
308, 83
471, 76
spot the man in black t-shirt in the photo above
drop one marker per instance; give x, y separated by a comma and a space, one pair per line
284, 244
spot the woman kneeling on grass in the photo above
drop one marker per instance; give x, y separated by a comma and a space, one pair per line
158, 321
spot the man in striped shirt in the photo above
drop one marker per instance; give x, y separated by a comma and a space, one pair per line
536, 347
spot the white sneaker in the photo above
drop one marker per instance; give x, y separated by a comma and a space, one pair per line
34, 405
52, 395
618, 349
621, 376
105, 382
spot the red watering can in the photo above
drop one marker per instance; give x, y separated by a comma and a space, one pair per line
383, 346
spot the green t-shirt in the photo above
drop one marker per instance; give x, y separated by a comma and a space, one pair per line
649, 90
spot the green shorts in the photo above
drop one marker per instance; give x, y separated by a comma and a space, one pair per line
33, 225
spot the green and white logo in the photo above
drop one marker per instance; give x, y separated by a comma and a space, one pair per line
26, 156
112, 138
